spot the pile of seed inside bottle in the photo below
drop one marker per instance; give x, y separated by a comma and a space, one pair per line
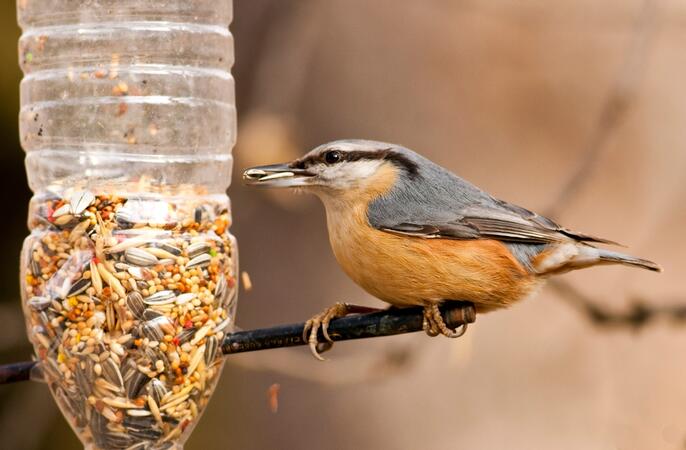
127, 300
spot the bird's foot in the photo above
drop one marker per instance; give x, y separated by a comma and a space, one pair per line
322, 320
435, 325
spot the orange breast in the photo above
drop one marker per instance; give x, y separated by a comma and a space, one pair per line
407, 271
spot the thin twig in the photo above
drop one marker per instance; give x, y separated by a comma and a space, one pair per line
614, 109
618, 102
639, 315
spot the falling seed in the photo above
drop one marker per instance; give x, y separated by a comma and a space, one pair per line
273, 397
247, 283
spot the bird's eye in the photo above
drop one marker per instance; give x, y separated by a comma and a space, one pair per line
332, 157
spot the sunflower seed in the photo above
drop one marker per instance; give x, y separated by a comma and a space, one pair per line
186, 335
139, 421
160, 298
152, 331
220, 288
134, 300
67, 402
117, 440
78, 287
80, 201
35, 269
150, 314
200, 214
147, 434
83, 381
223, 325
111, 373
169, 248
157, 390
139, 257
156, 329
126, 218
198, 248
201, 260
212, 344
135, 383
39, 303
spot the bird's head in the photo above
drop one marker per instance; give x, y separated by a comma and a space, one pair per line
349, 167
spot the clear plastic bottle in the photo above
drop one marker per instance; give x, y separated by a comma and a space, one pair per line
128, 275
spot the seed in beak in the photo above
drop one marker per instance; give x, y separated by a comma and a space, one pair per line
276, 175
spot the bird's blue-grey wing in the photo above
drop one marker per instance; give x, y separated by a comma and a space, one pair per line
439, 204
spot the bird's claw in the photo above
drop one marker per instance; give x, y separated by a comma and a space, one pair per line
434, 324
321, 322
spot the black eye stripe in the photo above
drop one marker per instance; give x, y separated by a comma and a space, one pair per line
359, 155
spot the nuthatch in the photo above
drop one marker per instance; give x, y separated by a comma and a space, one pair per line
410, 233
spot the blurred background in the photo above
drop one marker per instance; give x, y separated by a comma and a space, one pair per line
571, 108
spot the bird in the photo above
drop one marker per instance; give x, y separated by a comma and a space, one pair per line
412, 233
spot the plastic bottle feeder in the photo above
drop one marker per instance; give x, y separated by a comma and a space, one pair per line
128, 275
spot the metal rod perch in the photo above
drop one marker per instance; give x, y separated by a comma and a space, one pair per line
383, 323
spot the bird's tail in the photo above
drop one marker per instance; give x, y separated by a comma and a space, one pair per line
611, 257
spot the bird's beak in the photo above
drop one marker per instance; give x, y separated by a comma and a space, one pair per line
277, 175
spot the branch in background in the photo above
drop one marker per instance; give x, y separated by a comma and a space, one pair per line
617, 103
639, 315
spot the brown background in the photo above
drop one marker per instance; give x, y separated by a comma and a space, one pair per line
512, 95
